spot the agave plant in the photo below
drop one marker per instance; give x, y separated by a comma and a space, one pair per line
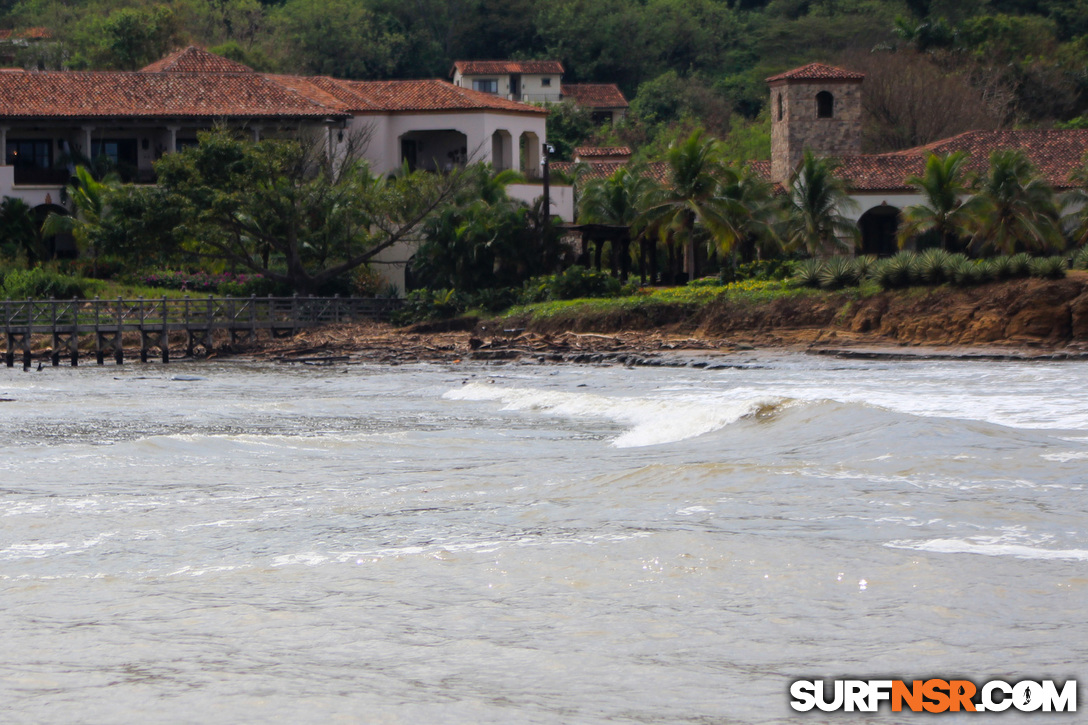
962, 271
985, 271
864, 265
1001, 267
933, 266
1020, 264
1048, 267
839, 272
807, 273
897, 271
1080, 259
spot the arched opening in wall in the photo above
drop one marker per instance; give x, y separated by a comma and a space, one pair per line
825, 105
440, 150
58, 246
529, 149
502, 150
879, 227
780, 113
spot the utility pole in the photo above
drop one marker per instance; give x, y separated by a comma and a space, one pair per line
546, 226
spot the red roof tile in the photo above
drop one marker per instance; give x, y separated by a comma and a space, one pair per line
195, 60
595, 95
817, 72
599, 151
37, 33
430, 95
501, 67
71, 94
1056, 154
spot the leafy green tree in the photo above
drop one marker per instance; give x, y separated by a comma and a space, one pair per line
483, 239
812, 209
130, 38
90, 210
1016, 207
1077, 199
19, 235
341, 38
281, 209
568, 126
946, 209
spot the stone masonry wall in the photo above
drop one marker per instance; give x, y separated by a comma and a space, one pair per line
800, 128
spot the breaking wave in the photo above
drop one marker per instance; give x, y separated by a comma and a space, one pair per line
650, 421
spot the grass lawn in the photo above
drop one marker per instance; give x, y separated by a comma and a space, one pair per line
746, 292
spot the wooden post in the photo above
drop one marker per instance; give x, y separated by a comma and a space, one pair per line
252, 319
143, 333
98, 354
73, 341
118, 342
54, 352
208, 332
164, 341
9, 354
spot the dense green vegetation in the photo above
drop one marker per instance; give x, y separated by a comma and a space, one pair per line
934, 67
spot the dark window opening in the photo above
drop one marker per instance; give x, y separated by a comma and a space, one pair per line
825, 105
121, 154
33, 162
780, 114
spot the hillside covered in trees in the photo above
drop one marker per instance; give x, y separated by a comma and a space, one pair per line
934, 67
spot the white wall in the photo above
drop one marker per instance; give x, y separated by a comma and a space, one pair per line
560, 195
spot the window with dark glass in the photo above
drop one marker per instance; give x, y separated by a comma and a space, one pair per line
36, 154
487, 85
825, 105
779, 106
546, 82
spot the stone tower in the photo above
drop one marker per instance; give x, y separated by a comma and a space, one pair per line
817, 107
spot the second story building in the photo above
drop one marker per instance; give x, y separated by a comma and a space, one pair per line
527, 81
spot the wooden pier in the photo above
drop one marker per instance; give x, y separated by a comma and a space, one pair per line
65, 322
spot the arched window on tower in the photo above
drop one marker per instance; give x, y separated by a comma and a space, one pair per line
825, 105
780, 107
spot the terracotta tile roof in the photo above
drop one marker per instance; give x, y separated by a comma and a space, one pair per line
595, 95
657, 170
1056, 154
501, 67
37, 33
430, 95
68, 94
817, 72
599, 151
195, 60
326, 91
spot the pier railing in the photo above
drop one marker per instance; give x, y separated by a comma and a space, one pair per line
200, 319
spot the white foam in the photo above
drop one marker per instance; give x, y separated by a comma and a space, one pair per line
989, 546
651, 421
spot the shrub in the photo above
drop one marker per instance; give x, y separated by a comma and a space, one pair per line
933, 266
763, 270
806, 273
41, 283
1079, 259
571, 284
1048, 267
1020, 264
1002, 267
838, 272
427, 304
897, 271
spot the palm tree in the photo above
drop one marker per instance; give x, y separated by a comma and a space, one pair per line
618, 201
692, 196
752, 198
812, 207
943, 211
19, 234
89, 198
1076, 222
1016, 207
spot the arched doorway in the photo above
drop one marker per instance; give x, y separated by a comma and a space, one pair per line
529, 147
502, 150
879, 229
